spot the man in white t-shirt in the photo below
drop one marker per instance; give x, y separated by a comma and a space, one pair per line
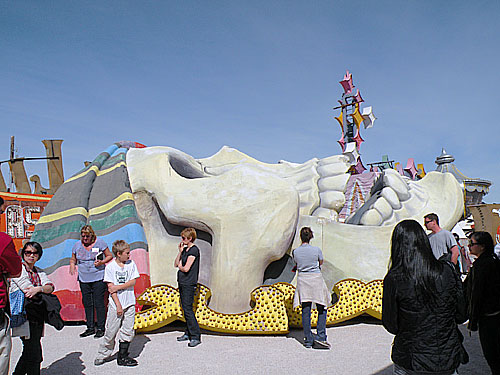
120, 275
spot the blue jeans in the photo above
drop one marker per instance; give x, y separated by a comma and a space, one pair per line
306, 322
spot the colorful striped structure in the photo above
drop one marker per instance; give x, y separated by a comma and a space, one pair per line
98, 195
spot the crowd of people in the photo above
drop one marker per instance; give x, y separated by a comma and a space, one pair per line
27, 302
424, 298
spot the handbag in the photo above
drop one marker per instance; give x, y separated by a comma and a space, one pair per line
17, 311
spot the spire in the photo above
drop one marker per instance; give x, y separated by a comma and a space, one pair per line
444, 158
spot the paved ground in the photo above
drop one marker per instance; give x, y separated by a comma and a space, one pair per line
359, 347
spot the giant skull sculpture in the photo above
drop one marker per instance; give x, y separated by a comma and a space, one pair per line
248, 213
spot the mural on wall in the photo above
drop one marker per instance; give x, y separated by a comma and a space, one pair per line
247, 215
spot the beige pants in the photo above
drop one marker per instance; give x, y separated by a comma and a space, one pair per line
114, 324
5, 346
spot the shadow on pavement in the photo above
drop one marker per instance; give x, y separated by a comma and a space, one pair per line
71, 364
385, 371
477, 364
137, 345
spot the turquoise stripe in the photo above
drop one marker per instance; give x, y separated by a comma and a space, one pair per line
114, 218
111, 149
120, 150
45, 235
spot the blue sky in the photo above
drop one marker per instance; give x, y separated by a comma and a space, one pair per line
260, 76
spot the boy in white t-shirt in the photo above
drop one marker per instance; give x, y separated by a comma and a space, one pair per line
120, 275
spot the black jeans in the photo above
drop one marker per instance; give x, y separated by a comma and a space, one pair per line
489, 336
93, 297
31, 358
187, 298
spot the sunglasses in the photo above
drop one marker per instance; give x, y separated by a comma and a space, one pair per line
427, 221
28, 253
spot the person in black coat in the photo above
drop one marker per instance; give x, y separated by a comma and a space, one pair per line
483, 296
422, 303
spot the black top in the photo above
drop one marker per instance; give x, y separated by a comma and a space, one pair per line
190, 277
483, 288
427, 337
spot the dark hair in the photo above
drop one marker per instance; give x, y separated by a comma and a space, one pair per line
34, 245
306, 234
411, 254
1, 201
484, 239
432, 217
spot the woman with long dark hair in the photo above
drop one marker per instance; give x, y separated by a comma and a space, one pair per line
422, 304
483, 295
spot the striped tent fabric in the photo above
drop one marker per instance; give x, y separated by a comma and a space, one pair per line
98, 195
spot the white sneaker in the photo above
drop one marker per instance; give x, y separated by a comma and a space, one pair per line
322, 344
98, 362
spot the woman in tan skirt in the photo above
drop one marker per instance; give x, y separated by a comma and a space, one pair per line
311, 288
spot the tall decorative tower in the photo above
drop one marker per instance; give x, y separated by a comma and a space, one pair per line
350, 120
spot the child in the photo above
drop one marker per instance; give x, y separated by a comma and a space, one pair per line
120, 275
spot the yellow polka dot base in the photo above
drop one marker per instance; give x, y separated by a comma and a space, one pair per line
272, 311
354, 298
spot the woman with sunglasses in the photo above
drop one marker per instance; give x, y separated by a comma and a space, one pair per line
422, 302
482, 287
91, 254
31, 282
188, 263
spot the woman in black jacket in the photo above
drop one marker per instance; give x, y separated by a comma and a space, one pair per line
483, 295
422, 304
